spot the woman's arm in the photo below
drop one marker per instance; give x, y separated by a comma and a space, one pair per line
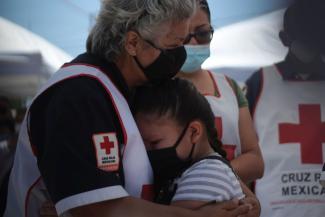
134, 207
251, 200
249, 165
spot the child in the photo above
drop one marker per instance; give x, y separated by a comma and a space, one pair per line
177, 126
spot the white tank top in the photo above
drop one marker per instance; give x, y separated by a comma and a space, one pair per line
226, 111
290, 122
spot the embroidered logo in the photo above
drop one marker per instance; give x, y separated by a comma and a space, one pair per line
107, 152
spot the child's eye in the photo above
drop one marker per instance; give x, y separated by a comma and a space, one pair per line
154, 142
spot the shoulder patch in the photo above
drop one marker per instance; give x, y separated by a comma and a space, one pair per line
107, 151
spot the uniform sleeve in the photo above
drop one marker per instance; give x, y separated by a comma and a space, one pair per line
63, 131
208, 180
254, 85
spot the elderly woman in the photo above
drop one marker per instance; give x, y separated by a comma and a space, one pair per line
79, 145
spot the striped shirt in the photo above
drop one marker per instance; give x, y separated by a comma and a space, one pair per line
208, 180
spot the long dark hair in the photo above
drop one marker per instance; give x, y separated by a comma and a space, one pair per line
181, 101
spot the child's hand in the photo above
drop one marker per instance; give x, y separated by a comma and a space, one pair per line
255, 208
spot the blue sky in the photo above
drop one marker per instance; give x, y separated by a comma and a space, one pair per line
66, 23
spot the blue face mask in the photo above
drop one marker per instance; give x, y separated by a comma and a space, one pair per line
196, 55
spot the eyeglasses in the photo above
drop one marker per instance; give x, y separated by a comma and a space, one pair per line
201, 36
153, 45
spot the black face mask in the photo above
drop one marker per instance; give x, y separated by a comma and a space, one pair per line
167, 64
307, 60
314, 70
166, 164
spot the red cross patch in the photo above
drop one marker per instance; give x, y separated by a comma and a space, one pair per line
309, 133
107, 152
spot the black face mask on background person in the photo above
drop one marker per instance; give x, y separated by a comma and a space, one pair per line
166, 164
306, 58
307, 63
167, 64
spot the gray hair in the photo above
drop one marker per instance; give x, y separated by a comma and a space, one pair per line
117, 17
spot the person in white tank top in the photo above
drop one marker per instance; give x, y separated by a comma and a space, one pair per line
232, 117
287, 102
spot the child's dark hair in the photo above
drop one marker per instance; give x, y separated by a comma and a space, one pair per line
180, 100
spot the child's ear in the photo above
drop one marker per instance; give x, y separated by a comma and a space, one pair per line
196, 129
131, 43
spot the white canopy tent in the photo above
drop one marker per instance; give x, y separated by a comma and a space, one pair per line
26, 60
241, 48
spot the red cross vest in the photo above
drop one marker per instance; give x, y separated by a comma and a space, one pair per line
26, 189
290, 122
226, 111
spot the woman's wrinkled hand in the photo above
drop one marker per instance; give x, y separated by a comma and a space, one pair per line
255, 207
